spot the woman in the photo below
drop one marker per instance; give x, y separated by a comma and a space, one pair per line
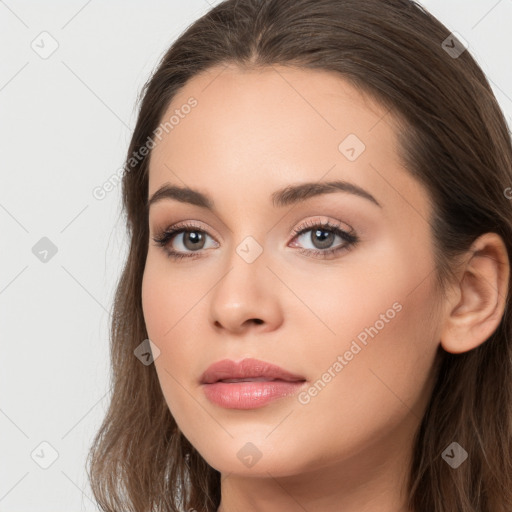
315, 310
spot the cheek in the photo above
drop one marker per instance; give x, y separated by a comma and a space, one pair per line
155, 300
380, 346
381, 382
163, 306
168, 296
166, 305
387, 313
171, 305
379, 298
392, 325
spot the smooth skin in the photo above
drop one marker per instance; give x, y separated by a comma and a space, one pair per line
349, 447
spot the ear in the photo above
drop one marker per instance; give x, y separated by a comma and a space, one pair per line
479, 298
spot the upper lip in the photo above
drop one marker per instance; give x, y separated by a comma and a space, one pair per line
244, 369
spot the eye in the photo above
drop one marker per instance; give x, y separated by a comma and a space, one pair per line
322, 236
189, 237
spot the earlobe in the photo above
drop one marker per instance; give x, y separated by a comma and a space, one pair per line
482, 293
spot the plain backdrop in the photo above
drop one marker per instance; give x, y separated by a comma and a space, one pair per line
70, 74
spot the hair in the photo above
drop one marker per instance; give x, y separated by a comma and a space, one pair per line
454, 140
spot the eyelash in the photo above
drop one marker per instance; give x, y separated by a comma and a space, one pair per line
350, 238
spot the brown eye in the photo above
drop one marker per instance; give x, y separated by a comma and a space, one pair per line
193, 240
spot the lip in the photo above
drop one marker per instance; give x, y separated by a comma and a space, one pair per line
273, 382
244, 369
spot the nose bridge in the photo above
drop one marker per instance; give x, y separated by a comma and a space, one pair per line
250, 239
246, 269
244, 292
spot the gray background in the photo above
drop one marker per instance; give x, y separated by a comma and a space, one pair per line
66, 120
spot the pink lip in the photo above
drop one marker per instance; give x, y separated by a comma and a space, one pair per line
246, 368
251, 394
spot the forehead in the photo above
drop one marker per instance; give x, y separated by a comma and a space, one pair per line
264, 129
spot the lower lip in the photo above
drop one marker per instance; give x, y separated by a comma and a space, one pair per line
249, 394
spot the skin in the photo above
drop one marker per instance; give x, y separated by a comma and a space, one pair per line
348, 448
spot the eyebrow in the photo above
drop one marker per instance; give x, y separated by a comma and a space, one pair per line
284, 197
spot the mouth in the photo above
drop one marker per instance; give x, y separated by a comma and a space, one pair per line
248, 384
247, 370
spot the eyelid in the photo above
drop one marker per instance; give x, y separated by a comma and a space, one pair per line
189, 224
323, 221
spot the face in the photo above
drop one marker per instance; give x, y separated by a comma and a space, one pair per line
261, 276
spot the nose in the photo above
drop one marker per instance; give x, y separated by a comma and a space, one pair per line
246, 297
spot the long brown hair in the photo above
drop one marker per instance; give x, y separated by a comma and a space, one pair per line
454, 140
